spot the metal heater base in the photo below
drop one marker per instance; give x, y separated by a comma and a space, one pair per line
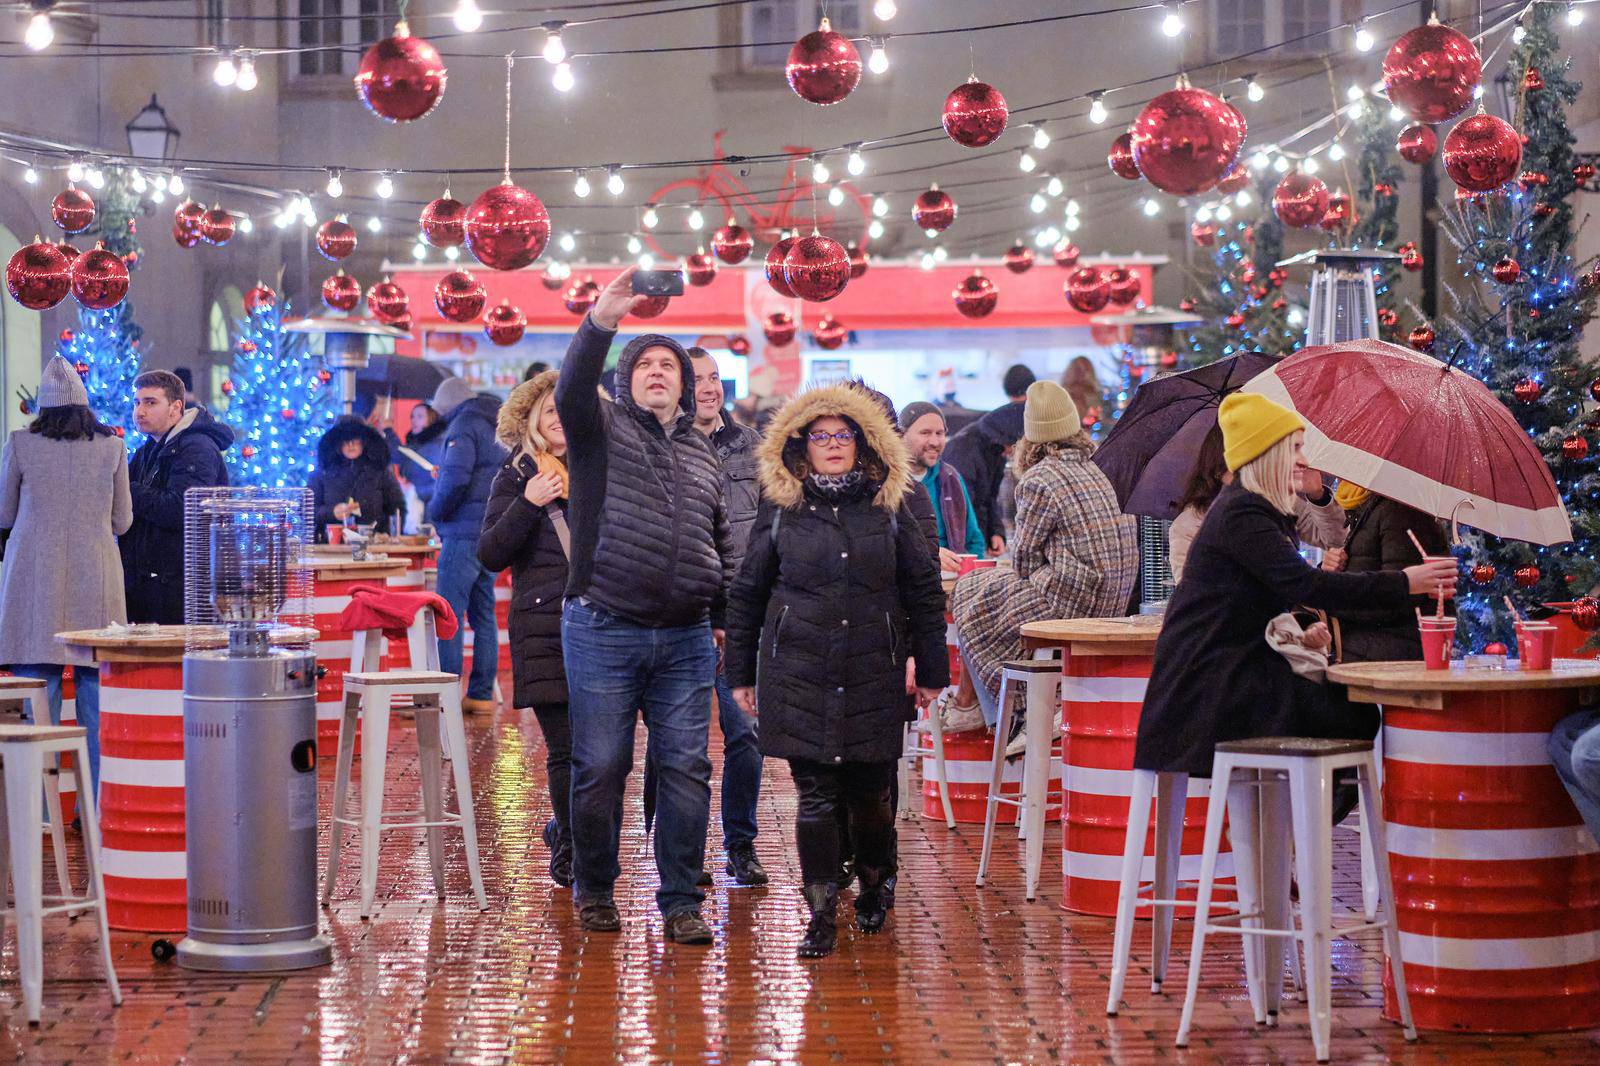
196, 954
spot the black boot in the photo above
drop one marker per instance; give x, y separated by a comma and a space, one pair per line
822, 934
872, 908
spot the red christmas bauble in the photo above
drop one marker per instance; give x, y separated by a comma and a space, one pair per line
779, 328
1574, 446
732, 244
580, 297
1185, 140
1482, 153
507, 227
817, 268
975, 114
1543, 209
1087, 290
184, 236
336, 239
248, 451
504, 324
650, 308
1237, 179
227, 388
1417, 143
1422, 338
459, 296
1411, 259
387, 301
858, 260
1526, 576
1186, 304
1583, 173
1247, 274
99, 279
132, 259
118, 430
217, 227
976, 295
1483, 573
69, 250
1532, 82
1531, 179
401, 78
1586, 614
1338, 213
1234, 321
1120, 158
1527, 390
442, 222
189, 216
260, 298
81, 367
1594, 390
1124, 285
1506, 270
1388, 317
823, 67
72, 210
739, 344
934, 210
1300, 200
38, 276
1066, 255
1383, 188
287, 414
551, 280
1018, 258
700, 269
325, 376
829, 334
774, 267
341, 292
66, 335
247, 346
1204, 234
1430, 73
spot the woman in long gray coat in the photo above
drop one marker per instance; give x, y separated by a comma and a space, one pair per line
64, 497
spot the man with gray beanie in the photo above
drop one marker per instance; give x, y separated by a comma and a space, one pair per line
649, 567
472, 456
922, 427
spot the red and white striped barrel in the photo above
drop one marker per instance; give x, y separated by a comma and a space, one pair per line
1101, 699
968, 758
141, 795
329, 597
68, 779
1496, 879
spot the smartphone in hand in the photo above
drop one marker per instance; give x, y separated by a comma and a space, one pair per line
658, 283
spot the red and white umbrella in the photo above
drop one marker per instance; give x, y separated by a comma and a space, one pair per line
1406, 426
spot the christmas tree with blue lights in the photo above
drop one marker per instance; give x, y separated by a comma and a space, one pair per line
104, 345
280, 402
1521, 334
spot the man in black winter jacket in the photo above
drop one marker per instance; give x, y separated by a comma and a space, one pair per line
184, 452
646, 591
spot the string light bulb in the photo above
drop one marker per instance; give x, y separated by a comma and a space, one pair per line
1354, 93
939, 253
819, 170
1335, 152
1224, 212
30, 176
1041, 139
335, 186
884, 10
75, 171
875, 229
1395, 114
580, 186
225, 73
1072, 223
647, 262
419, 251
95, 177
555, 49
1519, 34
1574, 15
1253, 90
1243, 198
1072, 207
1260, 161
880, 207
246, 226
635, 246
247, 73
562, 79
452, 253
836, 196
374, 225
1097, 108
1152, 208
1026, 163
40, 32
1172, 20
651, 218
385, 187
614, 184
1309, 165
467, 16
878, 60
136, 181
568, 242
175, 185
927, 261
1054, 186
854, 163
697, 221
281, 220
1281, 164
1364, 38
1038, 204
1203, 213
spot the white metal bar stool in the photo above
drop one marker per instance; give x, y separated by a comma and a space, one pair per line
28, 754
36, 695
1037, 682
919, 747
1288, 779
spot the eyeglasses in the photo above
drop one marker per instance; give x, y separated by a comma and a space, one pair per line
843, 436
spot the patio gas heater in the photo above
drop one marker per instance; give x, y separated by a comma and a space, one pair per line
346, 347
1344, 300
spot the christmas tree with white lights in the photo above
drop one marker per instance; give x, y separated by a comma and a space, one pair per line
1239, 290
280, 402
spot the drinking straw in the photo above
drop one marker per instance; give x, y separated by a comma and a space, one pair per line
1419, 616
1417, 544
1512, 608
1440, 612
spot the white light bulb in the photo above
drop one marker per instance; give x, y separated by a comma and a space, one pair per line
175, 184
157, 195
96, 179
819, 171
614, 181
884, 10
940, 254
697, 221
651, 218
1335, 152
878, 61
1296, 316
1364, 41
467, 16
930, 233
452, 253
1260, 161
283, 218
385, 187
1203, 214
1072, 207
1309, 165
1574, 15
1152, 208
335, 186
39, 33
1052, 235
1354, 93
1054, 186
246, 226
927, 261
1224, 212
1253, 91
1041, 239
880, 207
225, 73
419, 251
555, 49
1281, 164
1243, 199
647, 262
1172, 21
1041, 137
1519, 34
247, 75
562, 79
1477, 91
1038, 204
1097, 109
136, 181
634, 246
875, 229
1027, 163
580, 186
30, 176
856, 165
568, 242
75, 171
1072, 223
836, 196
374, 224
309, 218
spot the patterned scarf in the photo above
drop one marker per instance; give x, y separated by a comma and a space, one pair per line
836, 488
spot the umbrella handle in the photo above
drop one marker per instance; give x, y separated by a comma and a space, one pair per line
1455, 521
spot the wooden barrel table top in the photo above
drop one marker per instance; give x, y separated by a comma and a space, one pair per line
1407, 682
344, 568
387, 547
156, 643
1135, 635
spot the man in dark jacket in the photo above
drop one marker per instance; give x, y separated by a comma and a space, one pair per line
472, 457
650, 567
184, 452
979, 453
923, 429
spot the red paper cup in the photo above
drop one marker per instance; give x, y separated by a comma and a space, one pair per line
1536, 644
1438, 635
335, 533
970, 563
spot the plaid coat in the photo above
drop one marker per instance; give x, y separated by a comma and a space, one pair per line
1074, 555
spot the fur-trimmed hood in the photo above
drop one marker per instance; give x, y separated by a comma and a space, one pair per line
525, 399
374, 449
784, 488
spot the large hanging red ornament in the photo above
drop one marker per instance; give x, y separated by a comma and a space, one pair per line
1300, 200
459, 296
817, 268
1482, 153
739, 344
934, 210
1506, 270
69, 250
401, 78
1422, 338
829, 334
99, 279
732, 244
507, 227
189, 216
184, 236
976, 295
505, 324
341, 292
1087, 290
1186, 139
975, 114
217, 227
1237, 179
858, 259
650, 307
1586, 614
72, 210
1204, 234
1066, 255
700, 269
1018, 258
336, 239
823, 67
579, 299
260, 298
779, 328
1527, 390
38, 275
1338, 214
1124, 286
387, 301
1120, 158
1526, 576
774, 267
442, 221
552, 279
1431, 71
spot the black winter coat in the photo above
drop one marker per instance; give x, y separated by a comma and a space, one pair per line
472, 458
428, 443
1215, 677
978, 454
369, 480
160, 472
518, 535
735, 446
1376, 540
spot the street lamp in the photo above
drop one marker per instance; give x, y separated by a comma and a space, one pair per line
151, 135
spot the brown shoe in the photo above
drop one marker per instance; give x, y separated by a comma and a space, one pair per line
471, 706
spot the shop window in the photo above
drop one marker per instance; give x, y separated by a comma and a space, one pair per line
338, 31
1239, 28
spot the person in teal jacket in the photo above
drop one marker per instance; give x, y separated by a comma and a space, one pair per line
922, 426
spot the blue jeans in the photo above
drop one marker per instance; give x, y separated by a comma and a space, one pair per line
615, 669
1575, 750
88, 708
988, 702
469, 589
741, 769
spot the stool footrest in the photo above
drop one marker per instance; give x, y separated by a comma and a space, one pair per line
450, 821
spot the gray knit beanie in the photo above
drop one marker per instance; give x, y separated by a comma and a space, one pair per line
452, 393
915, 410
60, 385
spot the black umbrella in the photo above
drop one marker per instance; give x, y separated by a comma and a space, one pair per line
1150, 454
403, 377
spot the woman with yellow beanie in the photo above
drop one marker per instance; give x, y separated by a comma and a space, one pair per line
1215, 676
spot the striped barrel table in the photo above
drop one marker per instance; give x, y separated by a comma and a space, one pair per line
68, 778
332, 581
1496, 879
1105, 667
968, 762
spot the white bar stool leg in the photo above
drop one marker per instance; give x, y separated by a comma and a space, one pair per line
1310, 784
941, 780
997, 768
1273, 857
349, 722
1172, 794
903, 770
90, 820
24, 814
431, 764
1221, 772
58, 832
1144, 785
1377, 833
1041, 701
456, 730
1244, 820
374, 755
1369, 866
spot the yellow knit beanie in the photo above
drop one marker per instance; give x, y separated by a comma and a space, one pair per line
1251, 424
1048, 414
